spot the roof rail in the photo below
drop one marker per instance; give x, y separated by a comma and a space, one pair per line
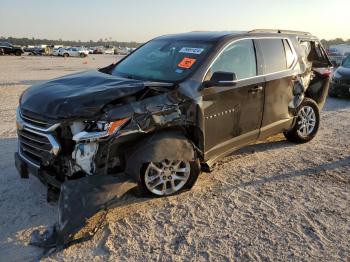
279, 31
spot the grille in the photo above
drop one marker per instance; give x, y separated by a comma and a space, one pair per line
35, 122
37, 142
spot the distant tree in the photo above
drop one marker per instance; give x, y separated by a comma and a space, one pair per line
100, 42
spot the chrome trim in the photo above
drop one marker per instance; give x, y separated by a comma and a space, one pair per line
32, 146
33, 120
19, 116
256, 38
55, 146
29, 138
26, 159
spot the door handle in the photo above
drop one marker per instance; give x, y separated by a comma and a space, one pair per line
256, 89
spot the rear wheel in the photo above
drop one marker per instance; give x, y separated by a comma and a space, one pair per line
307, 123
82, 55
18, 53
65, 55
169, 177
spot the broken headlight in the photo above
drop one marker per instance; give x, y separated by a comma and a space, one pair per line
95, 130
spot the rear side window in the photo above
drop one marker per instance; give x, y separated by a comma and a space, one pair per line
238, 58
315, 54
274, 55
289, 53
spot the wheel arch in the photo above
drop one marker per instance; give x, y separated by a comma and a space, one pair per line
157, 146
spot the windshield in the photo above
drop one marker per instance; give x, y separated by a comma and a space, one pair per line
163, 60
346, 62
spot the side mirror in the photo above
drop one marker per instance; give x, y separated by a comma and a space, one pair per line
221, 79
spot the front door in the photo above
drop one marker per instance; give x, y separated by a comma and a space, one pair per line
233, 114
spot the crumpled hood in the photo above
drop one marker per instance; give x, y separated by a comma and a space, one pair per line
81, 95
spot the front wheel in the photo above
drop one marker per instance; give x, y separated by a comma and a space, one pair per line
65, 55
307, 122
169, 177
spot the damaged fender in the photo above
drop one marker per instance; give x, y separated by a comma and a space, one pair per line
157, 147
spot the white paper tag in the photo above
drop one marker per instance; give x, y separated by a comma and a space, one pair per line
190, 50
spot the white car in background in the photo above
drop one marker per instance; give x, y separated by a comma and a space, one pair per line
75, 52
58, 51
109, 51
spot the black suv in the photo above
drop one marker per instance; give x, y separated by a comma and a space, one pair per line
9, 49
173, 107
340, 85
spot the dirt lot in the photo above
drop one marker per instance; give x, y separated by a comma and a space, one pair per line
271, 201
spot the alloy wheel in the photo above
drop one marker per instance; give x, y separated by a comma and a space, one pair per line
306, 121
167, 177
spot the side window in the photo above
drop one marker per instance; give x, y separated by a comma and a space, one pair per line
274, 55
315, 54
238, 58
289, 54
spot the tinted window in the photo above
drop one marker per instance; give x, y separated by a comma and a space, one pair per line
238, 58
5, 44
289, 54
274, 55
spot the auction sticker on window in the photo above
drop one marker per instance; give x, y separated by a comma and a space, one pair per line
191, 50
187, 62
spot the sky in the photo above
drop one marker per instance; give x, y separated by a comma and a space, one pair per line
141, 20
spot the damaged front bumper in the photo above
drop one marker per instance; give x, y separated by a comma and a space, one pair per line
79, 201
26, 167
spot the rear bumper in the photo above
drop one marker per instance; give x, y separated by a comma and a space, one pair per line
25, 167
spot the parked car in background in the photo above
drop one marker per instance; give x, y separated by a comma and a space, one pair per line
337, 53
109, 51
121, 51
176, 104
340, 85
75, 52
10, 49
36, 51
98, 51
58, 51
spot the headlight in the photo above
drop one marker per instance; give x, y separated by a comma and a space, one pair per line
99, 129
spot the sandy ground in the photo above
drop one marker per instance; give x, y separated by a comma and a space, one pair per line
271, 201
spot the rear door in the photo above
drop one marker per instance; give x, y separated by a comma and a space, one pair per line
233, 114
321, 68
278, 59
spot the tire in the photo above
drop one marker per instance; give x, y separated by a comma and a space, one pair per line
65, 55
18, 53
307, 122
82, 55
163, 174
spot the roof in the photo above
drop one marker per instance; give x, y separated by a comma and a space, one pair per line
214, 36
202, 35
